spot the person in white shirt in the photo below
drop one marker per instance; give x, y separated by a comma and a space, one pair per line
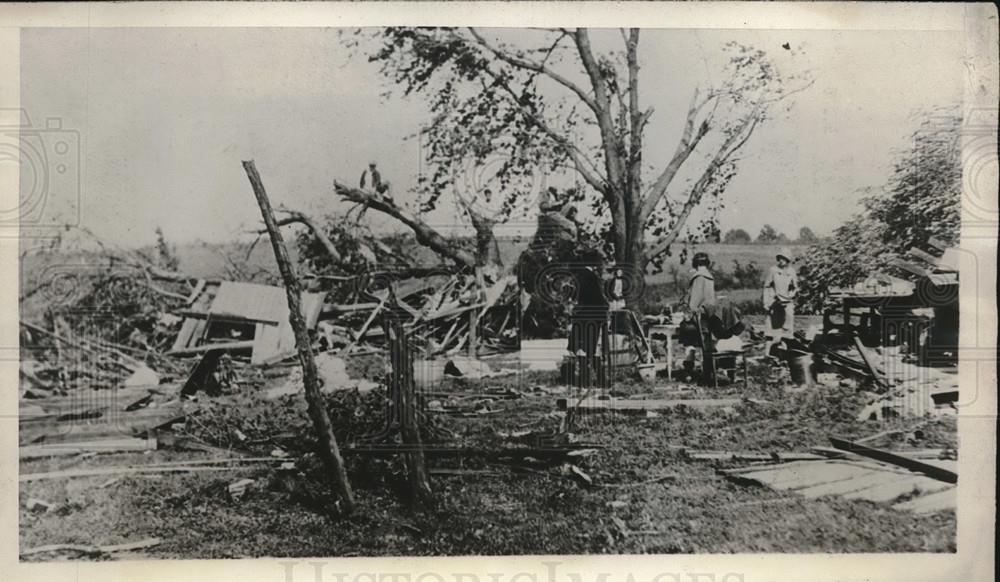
780, 286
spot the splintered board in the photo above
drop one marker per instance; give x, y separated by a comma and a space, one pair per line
853, 480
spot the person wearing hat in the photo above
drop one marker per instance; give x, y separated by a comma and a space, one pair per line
780, 286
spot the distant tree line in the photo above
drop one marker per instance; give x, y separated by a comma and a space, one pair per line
768, 235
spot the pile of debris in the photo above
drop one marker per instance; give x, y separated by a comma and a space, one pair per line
445, 313
57, 364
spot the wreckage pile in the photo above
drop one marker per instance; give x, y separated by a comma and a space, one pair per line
444, 315
80, 389
57, 364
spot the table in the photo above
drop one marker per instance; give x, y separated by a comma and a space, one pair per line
668, 330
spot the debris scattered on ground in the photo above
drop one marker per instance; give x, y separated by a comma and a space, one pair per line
492, 406
238, 489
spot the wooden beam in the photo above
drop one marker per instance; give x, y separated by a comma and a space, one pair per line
228, 346
349, 307
898, 460
364, 328
869, 364
618, 405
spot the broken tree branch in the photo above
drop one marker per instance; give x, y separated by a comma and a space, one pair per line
426, 235
294, 216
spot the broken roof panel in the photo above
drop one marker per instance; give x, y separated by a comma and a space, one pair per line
262, 303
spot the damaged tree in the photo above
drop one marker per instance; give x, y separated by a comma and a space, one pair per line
533, 106
329, 450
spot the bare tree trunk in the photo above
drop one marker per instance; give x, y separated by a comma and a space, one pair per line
329, 450
403, 387
635, 261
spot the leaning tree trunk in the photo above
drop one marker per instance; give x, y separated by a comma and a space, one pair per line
328, 449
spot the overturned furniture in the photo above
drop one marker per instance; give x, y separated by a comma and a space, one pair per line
242, 318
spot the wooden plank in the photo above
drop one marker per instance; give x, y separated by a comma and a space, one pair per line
115, 471
184, 335
118, 424
220, 316
932, 456
869, 364
229, 346
364, 328
196, 292
81, 400
266, 343
751, 456
74, 448
761, 467
893, 489
619, 405
841, 487
349, 308
940, 501
928, 469
813, 473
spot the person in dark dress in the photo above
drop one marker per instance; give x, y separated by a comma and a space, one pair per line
590, 315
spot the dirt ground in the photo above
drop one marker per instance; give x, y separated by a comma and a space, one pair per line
646, 497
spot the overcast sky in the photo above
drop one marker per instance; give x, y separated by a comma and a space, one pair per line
166, 115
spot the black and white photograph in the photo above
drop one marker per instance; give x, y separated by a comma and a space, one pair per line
455, 289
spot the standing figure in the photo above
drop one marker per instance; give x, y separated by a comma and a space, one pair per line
700, 304
376, 180
780, 286
589, 322
701, 288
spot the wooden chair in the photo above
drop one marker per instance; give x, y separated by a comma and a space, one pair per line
714, 361
732, 361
